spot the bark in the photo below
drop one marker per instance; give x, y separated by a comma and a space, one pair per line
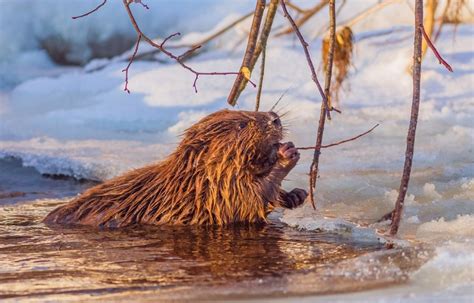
314, 169
251, 44
410, 149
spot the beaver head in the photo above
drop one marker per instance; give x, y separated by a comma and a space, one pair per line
249, 140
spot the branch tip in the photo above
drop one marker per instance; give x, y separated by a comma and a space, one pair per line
91, 11
435, 51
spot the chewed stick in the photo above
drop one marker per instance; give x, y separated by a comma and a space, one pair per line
339, 142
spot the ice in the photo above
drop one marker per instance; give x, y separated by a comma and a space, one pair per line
308, 219
461, 227
84, 159
451, 267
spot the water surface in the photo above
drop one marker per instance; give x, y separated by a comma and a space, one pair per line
145, 263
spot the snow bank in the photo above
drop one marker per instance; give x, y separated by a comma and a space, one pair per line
30, 27
85, 159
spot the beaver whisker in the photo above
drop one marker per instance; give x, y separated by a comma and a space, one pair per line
278, 101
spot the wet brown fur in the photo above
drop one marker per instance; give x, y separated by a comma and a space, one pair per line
222, 172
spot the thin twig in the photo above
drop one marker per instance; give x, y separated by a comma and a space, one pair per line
200, 42
92, 11
428, 22
308, 58
187, 53
397, 213
305, 17
359, 17
314, 168
139, 2
295, 7
251, 44
139, 37
442, 20
168, 53
260, 82
340, 142
435, 51
362, 15
169, 37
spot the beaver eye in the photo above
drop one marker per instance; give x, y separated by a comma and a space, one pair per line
242, 125
275, 121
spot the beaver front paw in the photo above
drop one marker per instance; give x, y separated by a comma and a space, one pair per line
288, 155
294, 198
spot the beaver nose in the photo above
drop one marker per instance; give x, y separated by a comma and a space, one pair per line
274, 119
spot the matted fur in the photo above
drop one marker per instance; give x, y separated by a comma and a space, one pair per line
220, 173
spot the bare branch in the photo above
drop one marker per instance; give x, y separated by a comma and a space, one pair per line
188, 52
139, 37
305, 45
260, 82
178, 59
262, 42
251, 43
428, 23
203, 41
435, 51
92, 11
169, 37
307, 14
397, 214
139, 2
295, 7
159, 47
314, 168
342, 141
359, 17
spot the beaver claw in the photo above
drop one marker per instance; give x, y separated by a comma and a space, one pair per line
288, 155
294, 198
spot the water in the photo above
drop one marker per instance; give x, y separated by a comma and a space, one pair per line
167, 262
19, 183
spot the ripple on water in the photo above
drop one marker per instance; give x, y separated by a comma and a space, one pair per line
184, 262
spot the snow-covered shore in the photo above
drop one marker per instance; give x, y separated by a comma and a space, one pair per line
72, 122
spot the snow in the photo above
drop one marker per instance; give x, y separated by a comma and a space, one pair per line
451, 266
78, 121
462, 226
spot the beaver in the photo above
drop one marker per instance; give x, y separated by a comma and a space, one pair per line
227, 169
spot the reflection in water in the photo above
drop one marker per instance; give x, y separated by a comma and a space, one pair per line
176, 262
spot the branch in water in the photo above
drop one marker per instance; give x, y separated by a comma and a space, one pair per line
415, 106
314, 167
